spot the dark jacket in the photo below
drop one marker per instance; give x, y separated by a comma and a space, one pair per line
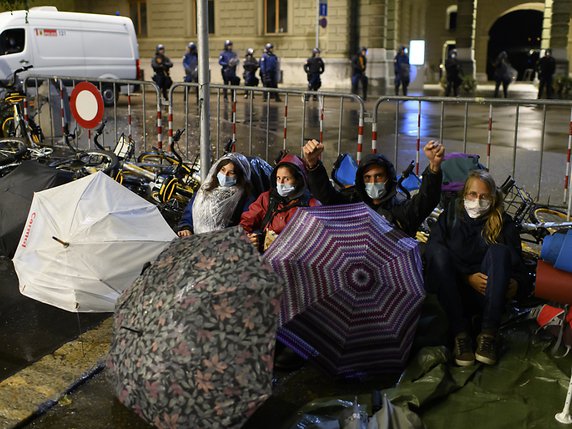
406, 214
359, 64
161, 64
462, 236
453, 69
190, 63
314, 65
401, 67
546, 67
250, 66
268, 64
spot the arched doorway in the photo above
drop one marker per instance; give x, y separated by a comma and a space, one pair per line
518, 33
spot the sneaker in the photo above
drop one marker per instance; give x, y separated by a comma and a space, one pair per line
486, 349
463, 352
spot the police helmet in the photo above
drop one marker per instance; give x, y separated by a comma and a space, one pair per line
315, 51
227, 43
249, 51
268, 46
159, 47
192, 46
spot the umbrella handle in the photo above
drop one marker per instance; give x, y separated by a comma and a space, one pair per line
62, 242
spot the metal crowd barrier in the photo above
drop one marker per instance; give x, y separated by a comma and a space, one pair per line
266, 126
121, 114
488, 127
484, 122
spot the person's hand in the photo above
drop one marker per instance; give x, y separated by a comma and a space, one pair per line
253, 237
184, 233
312, 151
512, 289
478, 281
435, 152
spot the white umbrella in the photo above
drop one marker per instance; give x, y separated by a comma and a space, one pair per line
85, 242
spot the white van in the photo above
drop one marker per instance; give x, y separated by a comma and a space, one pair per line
69, 44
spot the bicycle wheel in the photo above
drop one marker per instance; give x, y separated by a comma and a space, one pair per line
156, 163
11, 149
8, 128
88, 162
547, 214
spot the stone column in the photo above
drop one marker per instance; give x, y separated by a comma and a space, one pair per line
559, 30
373, 27
465, 34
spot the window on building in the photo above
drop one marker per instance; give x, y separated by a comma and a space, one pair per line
276, 14
211, 9
138, 14
12, 41
451, 23
211, 17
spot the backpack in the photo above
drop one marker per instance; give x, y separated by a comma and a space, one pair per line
344, 171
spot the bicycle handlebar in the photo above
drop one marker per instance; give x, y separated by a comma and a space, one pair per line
98, 132
11, 82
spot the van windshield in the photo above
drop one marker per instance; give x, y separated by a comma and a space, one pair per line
12, 41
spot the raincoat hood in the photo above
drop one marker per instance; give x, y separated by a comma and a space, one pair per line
238, 159
299, 170
380, 160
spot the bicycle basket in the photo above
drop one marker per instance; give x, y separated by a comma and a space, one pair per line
124, 148
517, 202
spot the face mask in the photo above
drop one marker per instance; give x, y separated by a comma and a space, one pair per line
225, 181
476, 208
284, 189
375, 190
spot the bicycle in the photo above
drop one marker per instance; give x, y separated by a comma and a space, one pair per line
85, 162
12, 117
534, 221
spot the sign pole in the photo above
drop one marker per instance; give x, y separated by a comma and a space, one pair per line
318, 24
204, 87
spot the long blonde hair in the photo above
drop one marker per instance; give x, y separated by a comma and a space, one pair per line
494, 223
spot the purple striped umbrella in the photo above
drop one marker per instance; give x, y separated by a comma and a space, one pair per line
354, 289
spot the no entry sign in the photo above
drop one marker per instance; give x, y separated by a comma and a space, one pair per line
86, 105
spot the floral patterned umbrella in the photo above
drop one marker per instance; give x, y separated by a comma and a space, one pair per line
354, 289
194, 335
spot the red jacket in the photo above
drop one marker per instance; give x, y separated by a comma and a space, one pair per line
251, 220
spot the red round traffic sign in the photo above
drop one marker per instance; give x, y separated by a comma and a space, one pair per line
86, 105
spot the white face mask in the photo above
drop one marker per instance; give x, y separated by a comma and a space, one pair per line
225, 181
375, 190
285, 189
476, 208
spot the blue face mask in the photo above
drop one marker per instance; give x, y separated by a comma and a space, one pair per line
284, 189
375, 190
225, 181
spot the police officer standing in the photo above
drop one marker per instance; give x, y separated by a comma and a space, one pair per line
191, 64
314, 67
359, 64
401, 69
454, 73
161, 65
250, 67
228, 61
269, 70
546, 68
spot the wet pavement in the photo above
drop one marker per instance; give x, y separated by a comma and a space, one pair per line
31, 330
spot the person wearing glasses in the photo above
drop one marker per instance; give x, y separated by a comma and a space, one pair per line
474, 264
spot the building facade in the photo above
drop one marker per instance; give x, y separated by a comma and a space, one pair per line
470, 26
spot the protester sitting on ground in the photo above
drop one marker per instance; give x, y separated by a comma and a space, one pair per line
273, 209
376, 185
221, 199
474, 262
